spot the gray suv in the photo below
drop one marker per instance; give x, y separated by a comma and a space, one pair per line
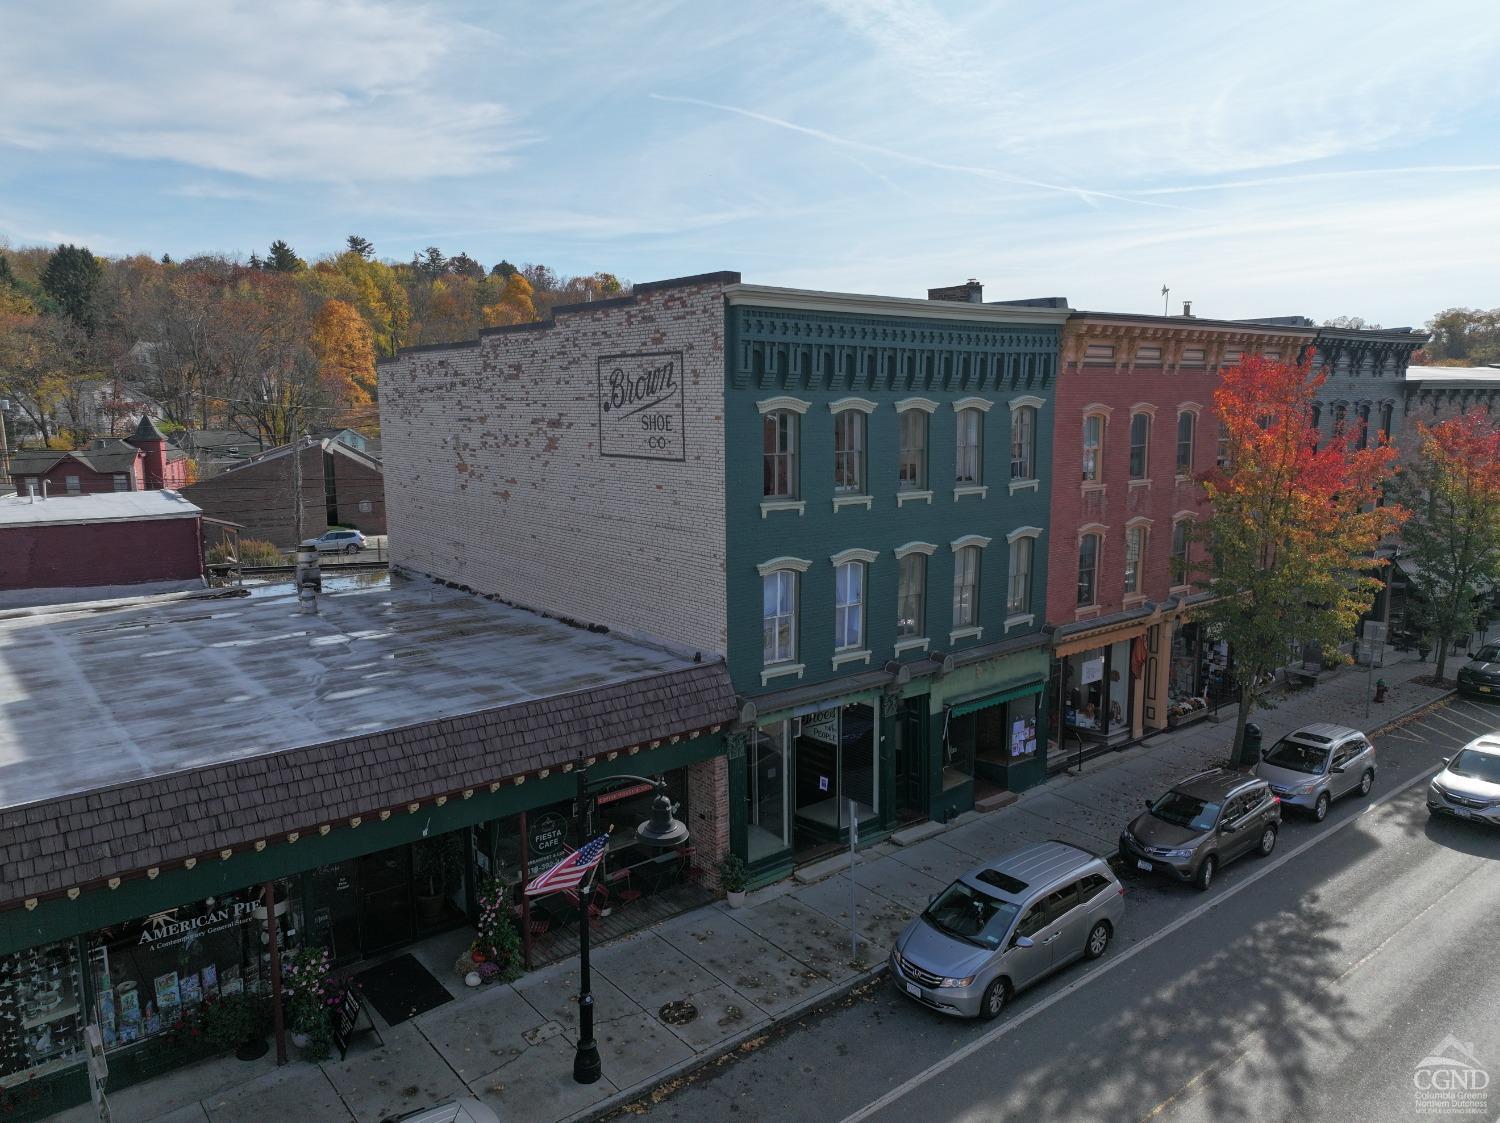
1311, 767
1205, 821
1005, 925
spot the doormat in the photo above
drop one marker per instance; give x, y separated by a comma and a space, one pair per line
401, 988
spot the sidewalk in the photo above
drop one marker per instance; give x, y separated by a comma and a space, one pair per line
741, 970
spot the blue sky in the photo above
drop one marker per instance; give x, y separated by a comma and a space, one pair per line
1318, 158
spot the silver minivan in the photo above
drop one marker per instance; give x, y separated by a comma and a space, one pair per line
1312, 766
1006, 924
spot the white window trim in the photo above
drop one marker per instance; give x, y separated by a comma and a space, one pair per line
853, 655
913, 496
1131, 600
1143, 407
776, 565
1099, 408
1091, 528
1189, 407
981, 490
969, 540
1024, 532
1025, 485
983, 405
793, 405
769, 505
915, 548
974, 632
1025, 620
926, 405
863, 405
854, 554
1138, 520
911, 643
1143, 482
781, 670
841, 501
1026, 400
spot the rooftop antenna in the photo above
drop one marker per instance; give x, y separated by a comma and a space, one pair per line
1166, 294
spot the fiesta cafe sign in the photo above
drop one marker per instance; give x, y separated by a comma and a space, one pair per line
641, 406
165, 928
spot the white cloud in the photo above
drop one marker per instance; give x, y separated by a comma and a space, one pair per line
293, 89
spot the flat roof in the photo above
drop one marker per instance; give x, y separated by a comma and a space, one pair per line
817, 300
1476, 374
108, 506
98, 695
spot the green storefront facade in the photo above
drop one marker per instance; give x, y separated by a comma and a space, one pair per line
887, 489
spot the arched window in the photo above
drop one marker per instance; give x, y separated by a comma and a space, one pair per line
969, 463
849, 606
1093, 447
779, 454
1023, 443
1140, 439
1187, 425
1088, 570
1135, 556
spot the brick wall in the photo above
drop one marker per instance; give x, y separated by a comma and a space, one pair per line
495, 478
258, 495
108, 553
708, 815
359, 483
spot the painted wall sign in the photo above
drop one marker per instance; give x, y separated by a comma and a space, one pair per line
641, 411
822, 726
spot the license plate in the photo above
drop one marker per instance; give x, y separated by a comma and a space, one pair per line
912, 988
1484, 690
1143, 865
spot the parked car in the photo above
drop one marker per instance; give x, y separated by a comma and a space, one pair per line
1311, 767
461, 1110
1480, 676
1469, 786
1004, 925
1203, 823
337, 542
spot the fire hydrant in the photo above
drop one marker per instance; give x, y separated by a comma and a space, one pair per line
1380, 690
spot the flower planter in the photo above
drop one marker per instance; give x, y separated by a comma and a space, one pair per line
300, 1039
735, 897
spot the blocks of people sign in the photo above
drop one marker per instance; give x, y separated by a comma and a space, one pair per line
641, 410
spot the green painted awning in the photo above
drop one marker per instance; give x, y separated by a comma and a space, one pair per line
961, 706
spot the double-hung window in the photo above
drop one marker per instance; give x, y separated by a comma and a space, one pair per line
966, 587
1140, 438
1018, 596
849, 606
779, 454
912, 470
1135, 557
1093, 447
1181, 545
1088, 569
779, 616
1023, 443
1221, 455
1187, 422
969, 468
849, 452
911, 597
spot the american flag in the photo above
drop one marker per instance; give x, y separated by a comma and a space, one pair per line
571, 871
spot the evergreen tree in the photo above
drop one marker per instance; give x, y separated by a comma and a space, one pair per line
465, 266
504, 270
432, 263
255, 261
166, 259
72, 277
362, 246
282, 259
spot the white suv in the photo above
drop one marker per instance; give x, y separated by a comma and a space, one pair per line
1469, 787
337, 542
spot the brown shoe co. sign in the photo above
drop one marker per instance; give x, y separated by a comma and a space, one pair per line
640, 406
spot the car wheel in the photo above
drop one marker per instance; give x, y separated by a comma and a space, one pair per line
1320, 808
1098, 940
1206, 873
993, 1001
352, 548
1267, 841
1367, 781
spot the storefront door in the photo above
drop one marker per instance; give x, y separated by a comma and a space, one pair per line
385, 900
836, 762
910, 795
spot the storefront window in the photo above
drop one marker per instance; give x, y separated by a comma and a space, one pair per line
836, 762
766, 790
149, 972
958, 747
41, 1011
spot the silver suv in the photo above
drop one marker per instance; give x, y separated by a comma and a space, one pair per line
1005, 925
1311, 767
1205, 821
1469, 787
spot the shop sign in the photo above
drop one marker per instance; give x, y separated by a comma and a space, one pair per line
163, 929
1093, 670
641, 406
547, 834
822, 726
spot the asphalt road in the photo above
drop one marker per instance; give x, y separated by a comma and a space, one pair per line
1307, 985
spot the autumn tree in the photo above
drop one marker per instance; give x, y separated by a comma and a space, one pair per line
1453, 537
512, 303
1291, 527
345, 349
1464, 336
72, 278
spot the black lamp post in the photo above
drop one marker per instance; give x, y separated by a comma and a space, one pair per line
660, 830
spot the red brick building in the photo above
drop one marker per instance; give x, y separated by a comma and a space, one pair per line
340, 486
1134, 430
94, 541
144, 461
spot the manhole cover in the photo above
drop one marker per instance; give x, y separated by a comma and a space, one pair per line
677, 1013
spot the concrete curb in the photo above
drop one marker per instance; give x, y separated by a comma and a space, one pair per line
728, 1045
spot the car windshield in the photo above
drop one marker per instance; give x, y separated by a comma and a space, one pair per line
1476, 766
1490, 653
1184, 810
971, 915
1297, 757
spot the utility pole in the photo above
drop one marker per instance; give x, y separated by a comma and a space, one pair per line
297, 478
4, 447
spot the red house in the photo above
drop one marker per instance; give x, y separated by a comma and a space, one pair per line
151, 539
144, 461
1134, 431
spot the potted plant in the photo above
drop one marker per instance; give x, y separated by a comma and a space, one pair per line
235, 1021
439, 863
733, 877
496, 950
308, 991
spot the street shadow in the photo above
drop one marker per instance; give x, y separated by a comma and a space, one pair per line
1263, 1008
1478, 839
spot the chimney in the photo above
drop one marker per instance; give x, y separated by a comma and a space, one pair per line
970, 292
1187, 308
31, 490
153, 445
44, 488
